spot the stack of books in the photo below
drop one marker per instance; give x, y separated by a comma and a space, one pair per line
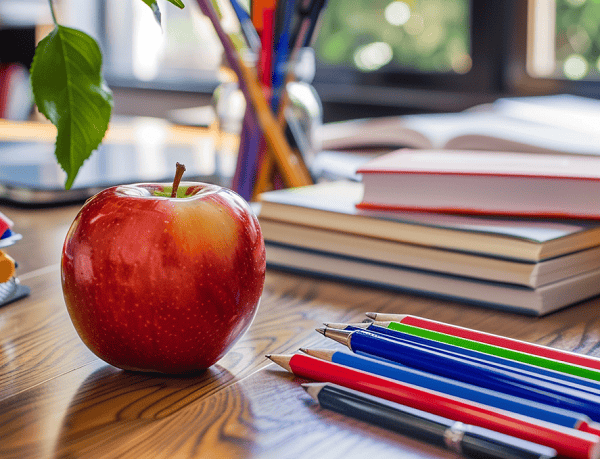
527, 265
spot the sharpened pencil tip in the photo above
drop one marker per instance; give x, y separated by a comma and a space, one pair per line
282, 360
371, 315
321, 330
268, 356
303, 349
322, 354
337, 325
313, 389
341, 336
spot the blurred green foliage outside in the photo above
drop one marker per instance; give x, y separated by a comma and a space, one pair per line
423, 35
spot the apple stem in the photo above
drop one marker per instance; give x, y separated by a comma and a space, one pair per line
178, 174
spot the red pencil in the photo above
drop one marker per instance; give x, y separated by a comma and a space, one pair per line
266, 50
567, 442
488, 338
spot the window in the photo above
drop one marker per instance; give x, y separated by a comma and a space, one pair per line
417, 35
415, 54
411, 54
565, 39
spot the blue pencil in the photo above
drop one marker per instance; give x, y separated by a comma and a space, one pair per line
281, 53
247, 27
500, 363
459, 389
458, 368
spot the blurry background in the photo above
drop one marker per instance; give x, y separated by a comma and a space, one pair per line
375, 57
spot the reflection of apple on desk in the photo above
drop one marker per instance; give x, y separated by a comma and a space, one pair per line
163, 280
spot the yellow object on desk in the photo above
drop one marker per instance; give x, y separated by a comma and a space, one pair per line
7, 267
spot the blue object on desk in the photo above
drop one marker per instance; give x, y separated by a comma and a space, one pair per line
479, 374
462, 390
499, 363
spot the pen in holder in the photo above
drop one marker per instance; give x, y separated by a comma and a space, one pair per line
302, 117
263, 131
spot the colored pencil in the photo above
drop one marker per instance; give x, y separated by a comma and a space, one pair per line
250, 33
455, 388
293, 174
304, 29
258, 6
300, 36
250, 141
291, 170
516, 366
266, 54
568, 442
488, 338
470, 441
543, 362
281, 50
461, 369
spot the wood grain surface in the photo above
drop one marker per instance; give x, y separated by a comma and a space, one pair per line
57, 399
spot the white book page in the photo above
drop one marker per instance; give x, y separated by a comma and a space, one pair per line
487, 130
566, 111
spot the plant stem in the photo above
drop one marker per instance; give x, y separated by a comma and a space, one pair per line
178, 174
52, 12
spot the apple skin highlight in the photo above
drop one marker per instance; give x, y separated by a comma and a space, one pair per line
162, 284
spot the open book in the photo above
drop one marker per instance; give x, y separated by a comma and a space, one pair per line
542, 124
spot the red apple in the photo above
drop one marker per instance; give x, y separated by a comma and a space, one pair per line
160, 283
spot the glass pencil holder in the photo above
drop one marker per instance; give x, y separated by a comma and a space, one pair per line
240, 139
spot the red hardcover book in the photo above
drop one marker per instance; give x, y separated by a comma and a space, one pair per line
484, 182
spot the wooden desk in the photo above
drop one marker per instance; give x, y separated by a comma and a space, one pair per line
58, 399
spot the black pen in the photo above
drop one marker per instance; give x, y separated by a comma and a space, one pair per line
468, 440
308, 12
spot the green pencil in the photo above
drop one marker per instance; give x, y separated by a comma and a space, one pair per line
489, 349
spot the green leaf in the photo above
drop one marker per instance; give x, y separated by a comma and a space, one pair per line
154, 7
69, 90
177, 3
